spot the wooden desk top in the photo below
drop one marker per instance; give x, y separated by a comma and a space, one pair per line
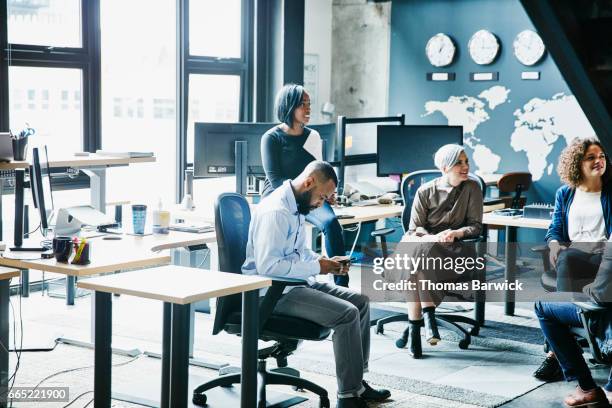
493, 219
14, 165
130, 252
189, 285
369, 213
491, 179
92, 160
8, 273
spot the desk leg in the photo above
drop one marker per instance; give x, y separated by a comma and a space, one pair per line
510, 271
166, 337
179, 357
250, 329
102, 352
4, 341
70, 290
97, 185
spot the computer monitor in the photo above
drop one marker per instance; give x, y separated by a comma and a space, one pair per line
407, 148
214, 150
41, 186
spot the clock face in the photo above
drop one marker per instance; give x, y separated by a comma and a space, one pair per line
528, 47
483, 47
440, 50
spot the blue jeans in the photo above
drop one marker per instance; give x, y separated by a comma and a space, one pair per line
325, 220
556, 318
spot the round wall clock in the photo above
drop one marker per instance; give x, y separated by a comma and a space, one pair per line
440, 50
528, 47
483, 47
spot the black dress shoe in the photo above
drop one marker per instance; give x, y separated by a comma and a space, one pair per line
549, 370
354, 402
432, 335
370, 394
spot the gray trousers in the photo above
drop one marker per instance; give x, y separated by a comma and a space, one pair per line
348, 314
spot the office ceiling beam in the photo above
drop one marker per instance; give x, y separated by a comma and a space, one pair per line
546, 18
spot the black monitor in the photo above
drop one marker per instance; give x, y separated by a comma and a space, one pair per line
41, 186
407, 148
214, 150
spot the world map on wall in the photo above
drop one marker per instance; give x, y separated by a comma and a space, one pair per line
537, 126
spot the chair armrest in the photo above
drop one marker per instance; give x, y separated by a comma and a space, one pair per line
382, 232
287, 282
541, 248
589, 306
274, 293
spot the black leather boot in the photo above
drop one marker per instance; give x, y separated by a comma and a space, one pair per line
431, 327
415, 338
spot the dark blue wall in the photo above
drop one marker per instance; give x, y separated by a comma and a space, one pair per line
414, 22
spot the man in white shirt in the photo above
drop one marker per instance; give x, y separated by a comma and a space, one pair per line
277, 247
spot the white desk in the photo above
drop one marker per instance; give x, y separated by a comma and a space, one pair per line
512, 224
191, 286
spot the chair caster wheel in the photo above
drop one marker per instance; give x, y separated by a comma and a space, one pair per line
199, 399
400, 343
324, 402
463, 344
380, 330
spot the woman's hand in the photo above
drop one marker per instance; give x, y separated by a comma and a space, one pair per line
449, 235
555, 249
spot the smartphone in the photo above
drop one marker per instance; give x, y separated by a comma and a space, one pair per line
347, 260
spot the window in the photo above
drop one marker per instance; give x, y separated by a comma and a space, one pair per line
45, 22
138, 95
214, 28
58, 125
212, 98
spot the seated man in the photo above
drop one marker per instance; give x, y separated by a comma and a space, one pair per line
277, 247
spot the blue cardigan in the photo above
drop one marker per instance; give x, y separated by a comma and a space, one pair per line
563, 200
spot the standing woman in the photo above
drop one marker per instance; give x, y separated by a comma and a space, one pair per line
286, 149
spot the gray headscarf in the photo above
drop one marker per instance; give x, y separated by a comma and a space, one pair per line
447, 156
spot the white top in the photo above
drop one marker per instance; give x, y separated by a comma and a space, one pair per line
585, 219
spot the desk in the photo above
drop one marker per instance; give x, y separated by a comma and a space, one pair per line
6, 274
512, 224
192, 286
94, 166
368, 213
131, 252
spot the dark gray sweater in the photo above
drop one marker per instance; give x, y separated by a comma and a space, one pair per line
283, 157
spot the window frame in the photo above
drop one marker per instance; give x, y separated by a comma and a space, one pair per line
188, 64
85, 58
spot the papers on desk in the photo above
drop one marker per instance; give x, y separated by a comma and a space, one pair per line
198, 228
124, 154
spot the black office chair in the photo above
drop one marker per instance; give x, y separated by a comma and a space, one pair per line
232, 219
588, 310
410, 185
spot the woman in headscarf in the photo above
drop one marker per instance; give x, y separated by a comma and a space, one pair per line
444, 210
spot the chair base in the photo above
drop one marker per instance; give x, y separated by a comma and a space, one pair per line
265, 377
449, 322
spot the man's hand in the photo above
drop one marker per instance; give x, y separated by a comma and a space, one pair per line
333, 267
449, 235
332, 199
555, 249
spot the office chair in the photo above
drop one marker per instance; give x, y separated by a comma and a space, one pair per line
410, 185
588, 310
516, 183
232, 219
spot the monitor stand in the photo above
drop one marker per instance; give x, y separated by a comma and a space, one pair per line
18, 236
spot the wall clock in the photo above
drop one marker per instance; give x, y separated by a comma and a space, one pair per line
528, 47
483, 47
440, 50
